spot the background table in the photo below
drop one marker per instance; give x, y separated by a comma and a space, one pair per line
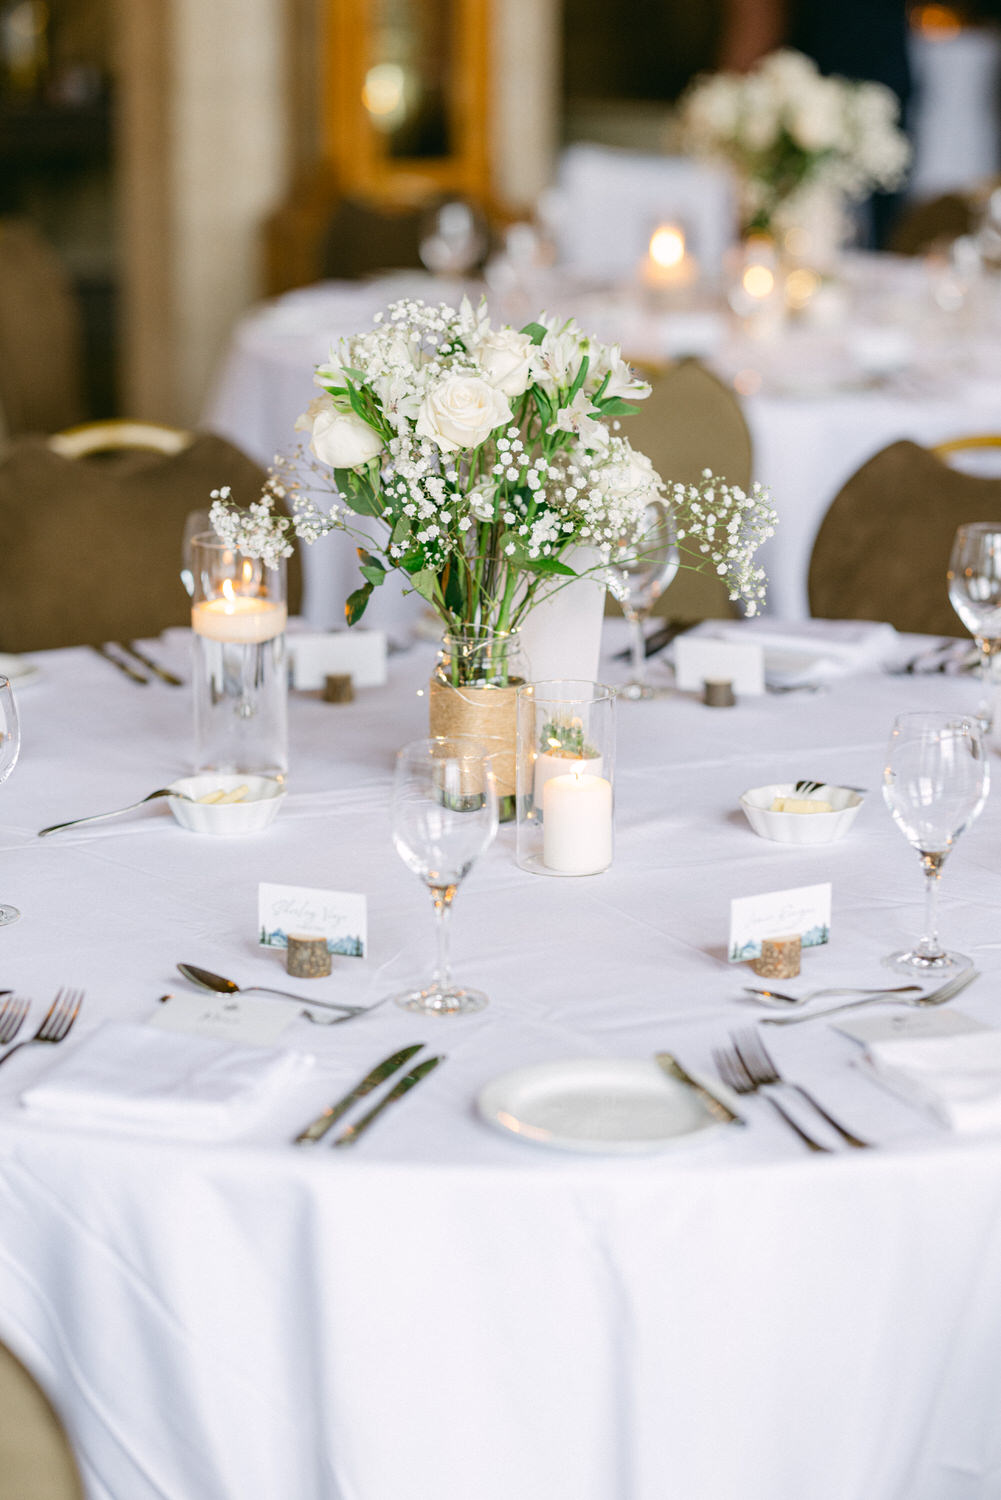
817, 399
449, 1312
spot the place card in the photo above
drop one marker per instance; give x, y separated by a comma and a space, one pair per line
697, 659
316, 655
805, 910
916, 1023
237, 1018
339, 916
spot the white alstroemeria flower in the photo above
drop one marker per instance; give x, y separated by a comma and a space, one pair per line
461, 411
622, 379
473, 322
340, 439
400, 402
330, 373
483, 500
558, 357
577, 418
507, 359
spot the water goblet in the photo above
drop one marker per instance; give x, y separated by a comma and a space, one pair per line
10, 745
640, 571
975, 594
935, 783
444, 815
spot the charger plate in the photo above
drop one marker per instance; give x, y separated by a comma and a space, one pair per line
606, 1106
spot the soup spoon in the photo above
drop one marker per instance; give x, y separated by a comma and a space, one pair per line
206, 980
776, 997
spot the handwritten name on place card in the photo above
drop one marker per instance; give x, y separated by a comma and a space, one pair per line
805, 910
338, 916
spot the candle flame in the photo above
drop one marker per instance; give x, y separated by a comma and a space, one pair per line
228, 591
667, 245
758, 281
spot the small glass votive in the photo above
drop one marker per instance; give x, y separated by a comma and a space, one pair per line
238, 617
565, 777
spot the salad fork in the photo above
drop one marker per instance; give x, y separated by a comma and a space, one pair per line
945, 992
754, 1055
56, 1023
735, 1074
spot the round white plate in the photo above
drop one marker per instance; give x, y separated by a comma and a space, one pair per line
612, 1106
18, 668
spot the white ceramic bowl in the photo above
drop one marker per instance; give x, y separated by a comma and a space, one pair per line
801, 828
254, 813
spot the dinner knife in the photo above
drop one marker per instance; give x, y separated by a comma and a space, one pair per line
715, 1105
349, 1136
131, 649
122, 666
318, 1128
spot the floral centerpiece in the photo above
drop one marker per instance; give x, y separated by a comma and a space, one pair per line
795, 138
477, 461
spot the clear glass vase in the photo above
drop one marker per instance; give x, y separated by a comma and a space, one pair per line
238, 617
565, 777
472, 694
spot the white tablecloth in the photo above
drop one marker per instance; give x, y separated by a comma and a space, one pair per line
449, 1312
815, 411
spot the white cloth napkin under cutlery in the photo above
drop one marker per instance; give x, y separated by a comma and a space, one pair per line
957, 1078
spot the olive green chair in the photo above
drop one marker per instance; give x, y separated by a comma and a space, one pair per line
882, 550
36, 1460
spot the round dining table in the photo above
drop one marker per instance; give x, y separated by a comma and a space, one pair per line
451, 1309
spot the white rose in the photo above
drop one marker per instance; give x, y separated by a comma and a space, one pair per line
506, 359
340, 439
461, 411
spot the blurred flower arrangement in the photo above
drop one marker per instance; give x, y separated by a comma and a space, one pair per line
484, 456
791, 133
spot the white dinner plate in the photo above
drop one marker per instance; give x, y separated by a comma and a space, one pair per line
612, 1106
18, 668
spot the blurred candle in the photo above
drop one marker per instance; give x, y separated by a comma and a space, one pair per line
577, 824
668, 263
241, 619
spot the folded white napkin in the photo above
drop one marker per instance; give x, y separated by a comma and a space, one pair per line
957, 1077
810, 650
162, 1082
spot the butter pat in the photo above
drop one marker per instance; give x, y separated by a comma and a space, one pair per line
800, 805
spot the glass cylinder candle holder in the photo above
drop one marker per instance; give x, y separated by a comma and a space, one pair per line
238, 616
566, 768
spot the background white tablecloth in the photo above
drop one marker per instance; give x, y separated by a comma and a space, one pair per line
449, 1312
815, 412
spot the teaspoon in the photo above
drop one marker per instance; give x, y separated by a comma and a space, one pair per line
206, 980
771, 997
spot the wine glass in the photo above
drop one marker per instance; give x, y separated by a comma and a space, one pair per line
640, 571
935, 783
10, 745
975, 594
453, 238
444, 816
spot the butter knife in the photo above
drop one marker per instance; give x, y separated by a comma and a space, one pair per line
349, 1136
716, 1106
131, 649
122, 666
318, 1128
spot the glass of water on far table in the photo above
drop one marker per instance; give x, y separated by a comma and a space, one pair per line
10, 745
975, 594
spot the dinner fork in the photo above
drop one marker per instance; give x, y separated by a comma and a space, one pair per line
754, 1055
945, 992
56, 1023
12, 1014
732, 1069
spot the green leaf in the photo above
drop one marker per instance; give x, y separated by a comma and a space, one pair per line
368, 559
544, 404
578, 379
614, 406
401, 530
550, 565
356, 375
354, 606
424, 583
455, 594
535, 331
358, 493
375, 574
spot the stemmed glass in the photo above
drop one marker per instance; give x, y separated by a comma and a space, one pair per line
975, 594
935, 783
444, 816
10, 745
640, 571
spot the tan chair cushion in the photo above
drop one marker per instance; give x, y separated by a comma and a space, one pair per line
90, 549
691, 421
36, 1461
883, 548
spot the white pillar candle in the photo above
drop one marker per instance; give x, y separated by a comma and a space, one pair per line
577, 824
548, 765
242, 619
